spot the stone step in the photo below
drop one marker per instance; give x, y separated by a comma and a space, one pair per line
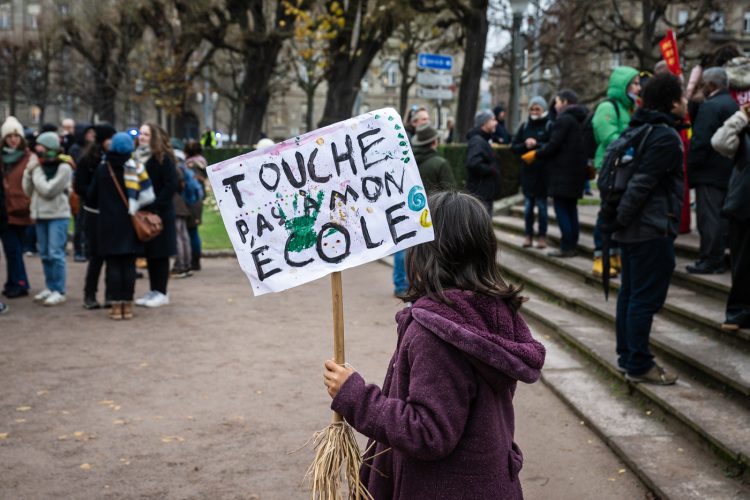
717, 285
670, 463
686, 245
718, 359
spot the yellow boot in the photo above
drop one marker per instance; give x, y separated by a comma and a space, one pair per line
598, 268
615, 262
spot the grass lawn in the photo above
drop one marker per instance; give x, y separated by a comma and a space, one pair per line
213, 234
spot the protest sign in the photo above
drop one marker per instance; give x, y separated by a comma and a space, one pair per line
331, 199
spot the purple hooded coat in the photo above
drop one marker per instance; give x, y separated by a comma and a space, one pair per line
446, 406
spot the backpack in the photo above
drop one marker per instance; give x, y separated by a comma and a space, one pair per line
193, 191
589, 138
618, 167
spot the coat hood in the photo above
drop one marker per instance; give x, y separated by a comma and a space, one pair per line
494, 339
477, 131
578, 112
738, 71
643, 116
618, 85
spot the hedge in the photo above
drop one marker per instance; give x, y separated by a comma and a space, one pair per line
510, 164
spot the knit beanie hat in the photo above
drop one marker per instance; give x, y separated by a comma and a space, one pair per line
49, 140
483, 117
538, 101
425, 135
122, 143
103, 132
11, 126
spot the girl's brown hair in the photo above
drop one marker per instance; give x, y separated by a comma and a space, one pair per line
159, 143
462, 255
21, 145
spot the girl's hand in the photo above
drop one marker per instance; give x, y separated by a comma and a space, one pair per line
530, 143
334, 376
746, 109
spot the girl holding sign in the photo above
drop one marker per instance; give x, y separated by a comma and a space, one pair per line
443, 422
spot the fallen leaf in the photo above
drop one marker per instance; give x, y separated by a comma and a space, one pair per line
64, 412
23, 408
43, 392
169, 439
621, 471
124, 461
118, 422
680, 450
117, 408
63, 437
611, 479
78, 433
144, 365
106, 402
20, 420
648, 412
590, 441
3, 435
189, 417
86, 466
258, 392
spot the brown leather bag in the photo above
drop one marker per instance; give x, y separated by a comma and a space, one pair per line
147, 225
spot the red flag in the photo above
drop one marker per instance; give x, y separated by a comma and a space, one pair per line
668, 46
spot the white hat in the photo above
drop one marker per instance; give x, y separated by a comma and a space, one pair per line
11, 126
264, 143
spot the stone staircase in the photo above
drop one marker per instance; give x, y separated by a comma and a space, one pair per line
691, 440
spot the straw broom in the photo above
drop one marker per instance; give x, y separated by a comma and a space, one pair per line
337, 453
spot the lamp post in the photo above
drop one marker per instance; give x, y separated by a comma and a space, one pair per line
518, 7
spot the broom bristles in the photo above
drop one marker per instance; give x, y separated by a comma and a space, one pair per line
336, 454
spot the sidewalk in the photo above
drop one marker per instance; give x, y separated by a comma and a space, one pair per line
205, 397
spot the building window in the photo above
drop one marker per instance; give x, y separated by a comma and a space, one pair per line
32, 16
682, 18
718, 24
6, 15
746, 27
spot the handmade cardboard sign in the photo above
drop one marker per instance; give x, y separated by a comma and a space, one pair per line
331, 199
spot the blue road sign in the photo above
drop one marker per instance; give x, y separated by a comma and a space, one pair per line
435, 61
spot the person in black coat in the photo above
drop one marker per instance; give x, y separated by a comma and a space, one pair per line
500, 134
647, 222
3, 225
483, 172
533, 134
155, 152
117, 241
708, 173
84, 175
565, 162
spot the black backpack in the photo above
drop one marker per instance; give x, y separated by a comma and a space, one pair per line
618, 166
589, 139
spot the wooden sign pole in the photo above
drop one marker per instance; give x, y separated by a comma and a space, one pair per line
337, 298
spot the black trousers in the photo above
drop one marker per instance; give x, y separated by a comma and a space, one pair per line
738, 303
121, 277
713, 228
158, 274
95, 261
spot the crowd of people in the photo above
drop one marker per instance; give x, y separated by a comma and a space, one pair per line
99, 179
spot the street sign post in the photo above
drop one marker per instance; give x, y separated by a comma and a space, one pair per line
434, 79
435, 61
440, 94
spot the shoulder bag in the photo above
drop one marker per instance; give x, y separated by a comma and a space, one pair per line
147, 225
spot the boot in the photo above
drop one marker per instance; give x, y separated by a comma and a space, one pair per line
127, 310
89, 301
541, 242
195, 265
598, 268
527, 242
116, 311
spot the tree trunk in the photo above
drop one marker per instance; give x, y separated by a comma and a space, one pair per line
476, 28
341, 94
310, 108
259, 64
104, 97
406, 81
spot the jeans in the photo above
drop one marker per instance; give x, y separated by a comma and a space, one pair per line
400, 284
614, 246
566, 210
13, 239
528, 213
29, 240
646, 270
52, 235
195, 240
120, 277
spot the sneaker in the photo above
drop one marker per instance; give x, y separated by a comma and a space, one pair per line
142, 301
703, 267
15, 293
3, 308
180, 274
541, 243
656, 375
54, 299
79, 258
89, 302
43, 295
158, 299
141, 263
563, 254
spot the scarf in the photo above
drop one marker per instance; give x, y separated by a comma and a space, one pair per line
49, 166
143, 154
11, 155
138, 187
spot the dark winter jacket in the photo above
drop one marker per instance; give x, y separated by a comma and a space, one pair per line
533, 176
85, 172
652, 202
165, 181
114, 229
446, 405
3, 210
501, 135
78, 148
483, 171
706, 167
435, 171
732, 140
564, 154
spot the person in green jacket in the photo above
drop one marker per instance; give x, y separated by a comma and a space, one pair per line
608, 124
434, 170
